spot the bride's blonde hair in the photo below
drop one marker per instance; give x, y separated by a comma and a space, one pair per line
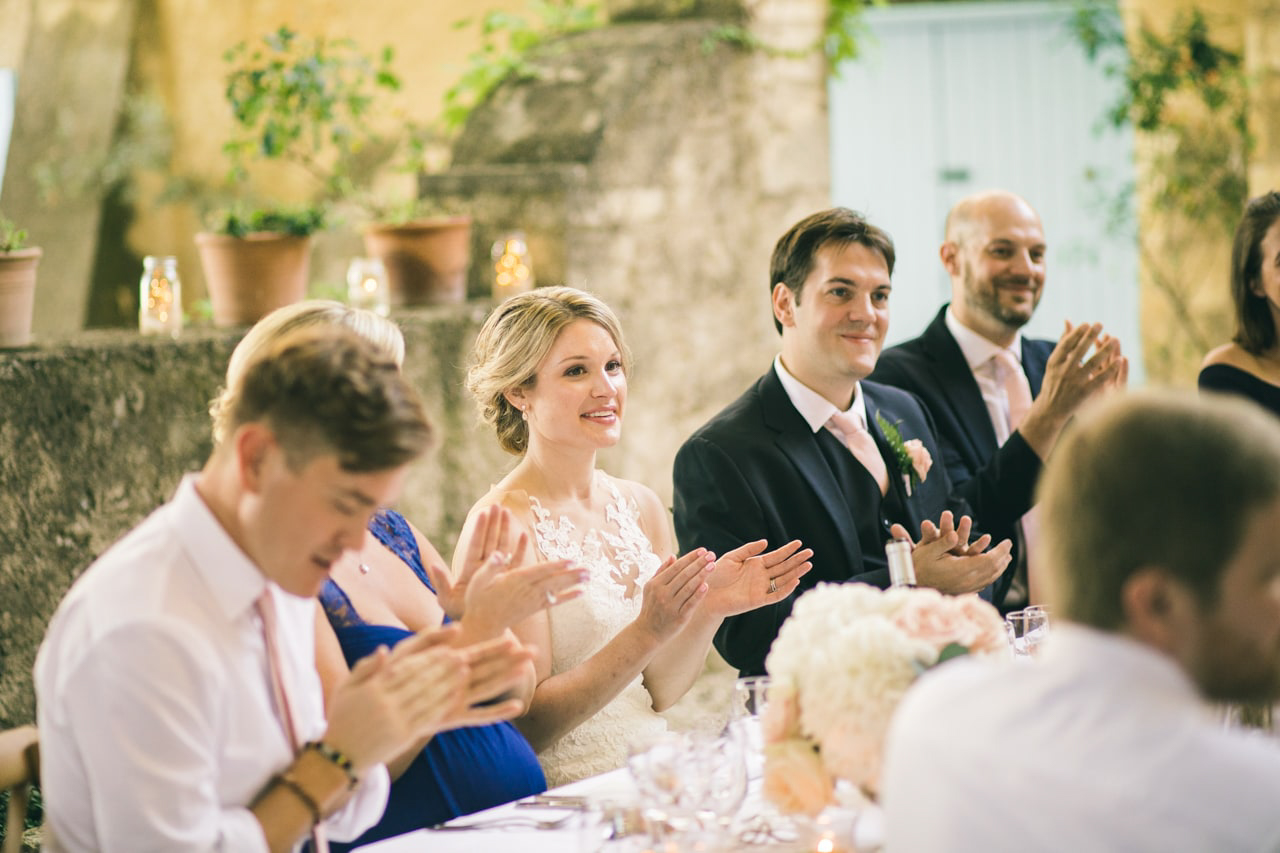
515, 339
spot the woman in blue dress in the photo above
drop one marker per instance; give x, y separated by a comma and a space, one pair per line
456, 772
395, 586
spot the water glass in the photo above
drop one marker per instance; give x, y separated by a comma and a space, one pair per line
750, 695
1027, 629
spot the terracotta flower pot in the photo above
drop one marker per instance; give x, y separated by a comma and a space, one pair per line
249, 277
17, 295
426, 261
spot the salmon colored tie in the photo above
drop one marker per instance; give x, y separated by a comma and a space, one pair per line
1016, 388
266, 607
1018, 393
862, 445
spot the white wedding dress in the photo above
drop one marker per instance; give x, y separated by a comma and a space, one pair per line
619, 562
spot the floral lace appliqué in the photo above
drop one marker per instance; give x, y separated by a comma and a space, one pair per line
619, 562
630, 560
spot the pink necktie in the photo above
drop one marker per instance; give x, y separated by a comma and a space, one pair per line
1016, 388
266, 607
862, 445
1018, 393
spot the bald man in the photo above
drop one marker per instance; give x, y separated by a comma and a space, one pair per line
999, 400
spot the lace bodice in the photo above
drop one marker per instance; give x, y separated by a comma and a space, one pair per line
620, 560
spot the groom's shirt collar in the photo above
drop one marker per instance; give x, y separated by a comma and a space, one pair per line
812, 406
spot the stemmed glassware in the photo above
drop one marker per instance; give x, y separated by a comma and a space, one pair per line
690, 784
750, 697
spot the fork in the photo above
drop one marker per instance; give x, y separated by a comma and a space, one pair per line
511, 822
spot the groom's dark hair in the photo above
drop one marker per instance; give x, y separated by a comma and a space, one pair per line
1153, 479
794, 253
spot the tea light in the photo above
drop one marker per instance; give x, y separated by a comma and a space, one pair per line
160, 296
512, 266
367, 286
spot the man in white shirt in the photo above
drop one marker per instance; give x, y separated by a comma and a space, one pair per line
1163, 579
999, 399
178, 702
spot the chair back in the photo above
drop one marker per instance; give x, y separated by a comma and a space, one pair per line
19, 770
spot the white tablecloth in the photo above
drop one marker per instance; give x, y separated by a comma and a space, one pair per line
616, 786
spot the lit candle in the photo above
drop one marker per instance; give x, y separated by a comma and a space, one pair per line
367, 286
160, 296
512, 266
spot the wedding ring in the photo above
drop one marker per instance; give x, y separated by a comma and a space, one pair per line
551, 597
773, 586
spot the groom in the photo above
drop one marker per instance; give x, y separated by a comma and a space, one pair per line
813, 452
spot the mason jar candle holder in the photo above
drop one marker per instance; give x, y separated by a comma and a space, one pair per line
512, 266
367, 286
160, 296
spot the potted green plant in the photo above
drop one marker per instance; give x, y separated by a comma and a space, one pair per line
298, 103
425, 249
17, 285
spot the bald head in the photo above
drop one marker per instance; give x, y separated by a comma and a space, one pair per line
994, 253
974, 211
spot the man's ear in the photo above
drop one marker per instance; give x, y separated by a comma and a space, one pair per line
949, 252
1158, 608
253, 443
784, 302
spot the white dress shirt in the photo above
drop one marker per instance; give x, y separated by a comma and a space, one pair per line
1101, 744
815, 408
978, 354
157, 726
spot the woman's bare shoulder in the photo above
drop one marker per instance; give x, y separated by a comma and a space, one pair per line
1233, 355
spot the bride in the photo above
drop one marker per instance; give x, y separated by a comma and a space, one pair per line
549, 373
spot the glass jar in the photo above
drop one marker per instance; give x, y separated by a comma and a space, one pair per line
160, 296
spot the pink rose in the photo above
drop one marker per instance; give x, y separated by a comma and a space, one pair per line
794, 779
920, 458
781, 717
985, 629
853, 748
929, 616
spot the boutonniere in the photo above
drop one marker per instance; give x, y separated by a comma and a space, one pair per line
911, 455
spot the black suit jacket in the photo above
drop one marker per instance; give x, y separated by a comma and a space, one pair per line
997, 481
757, 470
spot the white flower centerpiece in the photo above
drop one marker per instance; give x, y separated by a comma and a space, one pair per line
839, 667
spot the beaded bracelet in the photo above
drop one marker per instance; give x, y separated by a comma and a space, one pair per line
338, 758
286, 779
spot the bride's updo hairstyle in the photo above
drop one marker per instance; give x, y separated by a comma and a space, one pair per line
379, 331
515, 339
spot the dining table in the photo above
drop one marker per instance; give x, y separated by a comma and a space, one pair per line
568, 819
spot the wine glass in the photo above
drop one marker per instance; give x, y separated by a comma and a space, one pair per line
750, 696
719, 764
658, 767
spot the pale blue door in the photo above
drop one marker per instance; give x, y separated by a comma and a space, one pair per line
952, 98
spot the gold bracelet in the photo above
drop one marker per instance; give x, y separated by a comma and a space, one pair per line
286, 779
338, 759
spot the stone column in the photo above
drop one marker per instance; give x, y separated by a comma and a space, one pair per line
74, 59
1184, 257
655, 164
1262, 63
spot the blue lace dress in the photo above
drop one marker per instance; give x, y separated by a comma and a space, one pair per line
458, 772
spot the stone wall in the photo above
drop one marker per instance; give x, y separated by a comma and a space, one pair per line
95, 434
656, 164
